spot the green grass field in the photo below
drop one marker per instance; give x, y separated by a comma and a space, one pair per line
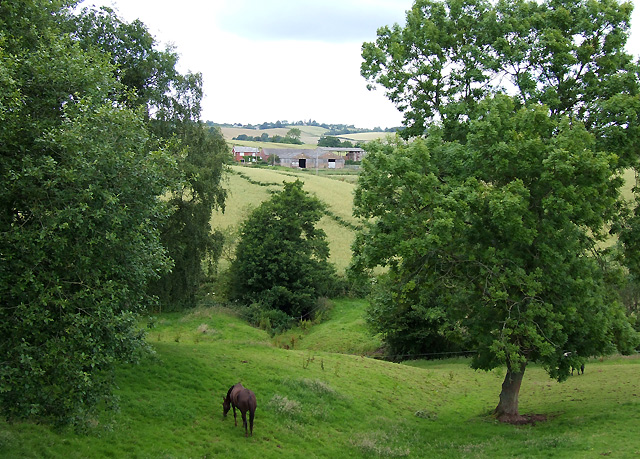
323, 397
335, 192
341, 330
315, 403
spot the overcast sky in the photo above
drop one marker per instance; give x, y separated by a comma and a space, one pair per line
281, 59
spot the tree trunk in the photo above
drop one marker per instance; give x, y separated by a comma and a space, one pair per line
507, 409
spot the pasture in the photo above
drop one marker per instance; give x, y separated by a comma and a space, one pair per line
365, 136
249, 186
325, 396
314, 403
309, 135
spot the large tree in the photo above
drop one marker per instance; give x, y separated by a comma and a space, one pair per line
493, 227
568, 55
80, 208
170, 102
192, 244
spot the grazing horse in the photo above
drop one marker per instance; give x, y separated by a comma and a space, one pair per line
243, 399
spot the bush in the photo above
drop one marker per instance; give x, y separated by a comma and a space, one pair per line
273, 321
281, 259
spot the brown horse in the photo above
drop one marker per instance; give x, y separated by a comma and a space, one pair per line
244, 400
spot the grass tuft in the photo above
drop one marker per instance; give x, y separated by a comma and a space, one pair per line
284, 406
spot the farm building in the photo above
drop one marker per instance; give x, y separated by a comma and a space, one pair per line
246, 154
300, 158
349, 154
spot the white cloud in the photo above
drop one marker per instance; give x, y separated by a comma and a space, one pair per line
333, 21
281, 59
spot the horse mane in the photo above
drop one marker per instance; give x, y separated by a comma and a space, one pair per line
230, 390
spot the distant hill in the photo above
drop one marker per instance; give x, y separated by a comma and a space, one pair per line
249, 186
311, 133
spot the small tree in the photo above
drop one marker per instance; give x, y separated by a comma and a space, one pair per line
329, 141
294, 133
281, 258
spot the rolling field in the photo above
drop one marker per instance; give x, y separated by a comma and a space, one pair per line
252, 143
310, 134
365, 136
314, 403
249, 186
323, 397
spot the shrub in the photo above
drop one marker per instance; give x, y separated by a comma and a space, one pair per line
281, 259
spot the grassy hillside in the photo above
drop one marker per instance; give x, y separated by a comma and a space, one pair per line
365, 136
321, 404
630, 182
341, 330
252, 143
322, 397
310, 134
249, 186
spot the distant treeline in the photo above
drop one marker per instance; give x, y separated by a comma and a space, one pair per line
265, 138
333, 129
329, 141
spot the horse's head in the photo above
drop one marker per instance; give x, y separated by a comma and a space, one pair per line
226, 406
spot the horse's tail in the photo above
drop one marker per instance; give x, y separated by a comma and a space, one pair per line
253, 404
252, 413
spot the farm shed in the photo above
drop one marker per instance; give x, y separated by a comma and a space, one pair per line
292, 157
330, 160
300, 158
349, 154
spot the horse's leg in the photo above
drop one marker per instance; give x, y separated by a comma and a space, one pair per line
252, 413
244, 422
234, 414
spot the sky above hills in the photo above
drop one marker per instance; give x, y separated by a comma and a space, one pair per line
281, 59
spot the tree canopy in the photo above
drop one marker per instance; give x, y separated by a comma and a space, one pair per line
493, 225
567, 55
170, 102
334, 142
79, 240
107, 181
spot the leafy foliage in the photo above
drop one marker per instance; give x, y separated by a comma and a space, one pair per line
79, 240
493, 227
329, 141
171, 103
478, 250
568, 55
192, 245
281, 259
146, 75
